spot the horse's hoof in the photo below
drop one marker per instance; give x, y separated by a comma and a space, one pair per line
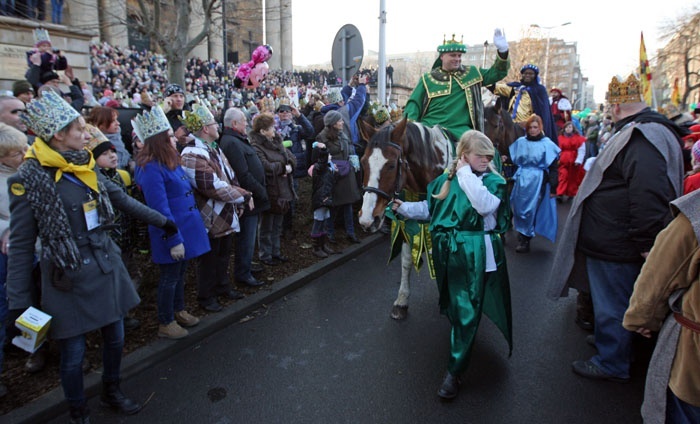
399, 312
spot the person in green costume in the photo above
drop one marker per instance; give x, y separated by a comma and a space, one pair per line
466, 220
450, 94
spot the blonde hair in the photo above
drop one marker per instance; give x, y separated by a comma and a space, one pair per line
11, 140
471, 142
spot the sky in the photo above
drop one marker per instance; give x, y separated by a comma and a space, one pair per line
607, 32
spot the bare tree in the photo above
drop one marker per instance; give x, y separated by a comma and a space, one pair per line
681, 56
173, 38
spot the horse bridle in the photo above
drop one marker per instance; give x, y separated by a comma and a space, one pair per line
397, 186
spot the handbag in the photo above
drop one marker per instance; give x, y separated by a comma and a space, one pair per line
343, 167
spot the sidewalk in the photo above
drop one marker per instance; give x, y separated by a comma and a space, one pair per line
52, 404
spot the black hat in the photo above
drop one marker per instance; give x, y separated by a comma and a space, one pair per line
48, 76
172, 89
284, 108
101, 148
21, 87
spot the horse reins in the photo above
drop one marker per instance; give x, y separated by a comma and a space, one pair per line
397, 186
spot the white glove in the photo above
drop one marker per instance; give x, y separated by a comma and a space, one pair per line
288, 168
499, 40
177, 252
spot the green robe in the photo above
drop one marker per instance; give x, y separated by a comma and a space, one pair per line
459, 258
453, 99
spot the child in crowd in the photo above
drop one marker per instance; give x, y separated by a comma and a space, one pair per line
323, 179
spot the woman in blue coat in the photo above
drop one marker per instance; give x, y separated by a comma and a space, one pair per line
167, 190
536, 180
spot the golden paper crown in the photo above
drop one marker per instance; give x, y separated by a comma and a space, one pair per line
197, 119
627, 91
150, 123
96, 136
48, 114
379, 112
41, 36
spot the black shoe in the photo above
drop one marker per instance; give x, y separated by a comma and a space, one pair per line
280, 258
256, 267
252, 282
36, 362
269, 262
212, 305
449, 387
353, 238
590, 339
232, 294
584, 324
131, 323
113, 397
590, 370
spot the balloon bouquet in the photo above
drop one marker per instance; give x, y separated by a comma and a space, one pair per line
251, 74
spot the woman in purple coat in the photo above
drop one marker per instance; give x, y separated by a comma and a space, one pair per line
167, 190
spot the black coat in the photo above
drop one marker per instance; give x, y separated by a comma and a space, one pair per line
247, 166
323, 181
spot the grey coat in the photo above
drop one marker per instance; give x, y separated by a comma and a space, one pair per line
102, 291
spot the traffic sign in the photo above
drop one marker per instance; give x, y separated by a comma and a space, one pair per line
347, 53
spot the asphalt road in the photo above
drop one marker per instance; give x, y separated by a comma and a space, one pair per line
329, 353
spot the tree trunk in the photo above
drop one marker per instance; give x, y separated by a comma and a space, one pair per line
176, 69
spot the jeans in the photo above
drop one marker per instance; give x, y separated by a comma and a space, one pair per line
348, 217
611, 288
270, 232
73, 352
56, 11
213, 268
3, 306
244, 245
171, 291
679, 412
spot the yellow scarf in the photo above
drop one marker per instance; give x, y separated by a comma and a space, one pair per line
47, 156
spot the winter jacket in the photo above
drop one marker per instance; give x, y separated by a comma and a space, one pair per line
275, 158
247, 166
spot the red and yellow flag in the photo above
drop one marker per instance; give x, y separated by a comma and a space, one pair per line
645, 73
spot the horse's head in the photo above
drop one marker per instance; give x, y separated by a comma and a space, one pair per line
384, 172
499, 126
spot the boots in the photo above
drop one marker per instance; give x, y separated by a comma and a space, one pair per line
327, 247
523, 244
79, 415
318, 247
113, 397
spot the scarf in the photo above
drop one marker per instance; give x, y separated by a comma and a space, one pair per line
55, 232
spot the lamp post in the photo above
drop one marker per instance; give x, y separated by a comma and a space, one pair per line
546, 52
486, 47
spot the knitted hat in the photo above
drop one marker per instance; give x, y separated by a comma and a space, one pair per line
48, 115
48, 76
334, 95
696, 152
331, 117
172, 89
101, 148
21, 87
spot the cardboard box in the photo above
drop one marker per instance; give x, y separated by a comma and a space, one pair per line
34, 325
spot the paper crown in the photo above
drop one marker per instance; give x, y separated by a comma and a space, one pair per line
41, 36
150, 123
195, 120
96, 136
334, 95
452, 45
379, 113
48, 114
627, 91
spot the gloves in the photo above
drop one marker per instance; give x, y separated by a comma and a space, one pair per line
170, 228
499, 40
177, 252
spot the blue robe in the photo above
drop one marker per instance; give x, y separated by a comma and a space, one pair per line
533, 210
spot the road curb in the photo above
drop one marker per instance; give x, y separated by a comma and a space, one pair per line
52, 404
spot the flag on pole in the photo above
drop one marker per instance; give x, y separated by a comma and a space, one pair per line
675, 93
645, 73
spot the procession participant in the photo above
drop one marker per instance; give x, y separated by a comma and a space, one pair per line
561, 108
220, 201
573, 151
466, 220
528, 97
614, 220
58, 196
450, 94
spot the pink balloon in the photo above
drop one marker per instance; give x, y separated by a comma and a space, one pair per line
258, 74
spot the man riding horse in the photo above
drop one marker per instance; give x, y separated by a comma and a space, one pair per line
450, 94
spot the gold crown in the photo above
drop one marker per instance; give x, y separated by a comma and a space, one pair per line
198, 118
41, 36
97, 137
48, 114
379, 112
150, 123
627, 91
452, 45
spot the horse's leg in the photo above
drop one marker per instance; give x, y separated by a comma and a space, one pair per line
400, 308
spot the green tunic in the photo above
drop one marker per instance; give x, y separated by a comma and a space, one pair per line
453, 99
459, 258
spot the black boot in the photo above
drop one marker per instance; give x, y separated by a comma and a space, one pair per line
113, 397
449, 387
318, 248
523, 244
326, 247
79, 415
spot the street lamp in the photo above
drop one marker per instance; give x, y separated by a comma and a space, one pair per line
483, 60
546, 54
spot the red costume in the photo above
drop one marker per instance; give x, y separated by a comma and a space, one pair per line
570, 159
561, 108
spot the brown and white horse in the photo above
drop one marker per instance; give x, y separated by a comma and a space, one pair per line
407, 156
